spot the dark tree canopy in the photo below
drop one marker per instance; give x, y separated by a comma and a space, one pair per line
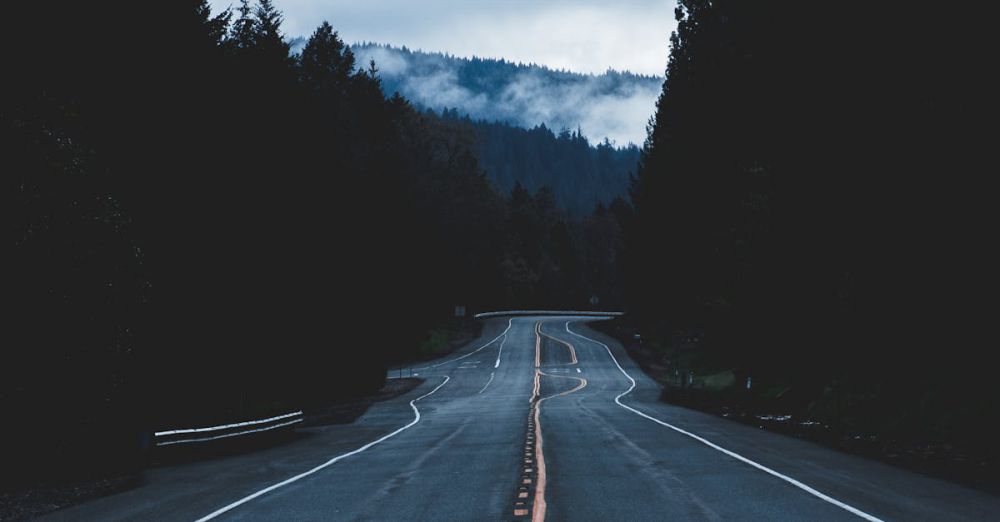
204, 228
810, 198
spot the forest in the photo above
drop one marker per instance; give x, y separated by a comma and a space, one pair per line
581, 176
613, 104
206, 227
204, 224
811, 206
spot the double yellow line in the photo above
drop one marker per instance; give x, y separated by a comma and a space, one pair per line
539, 506
538, 347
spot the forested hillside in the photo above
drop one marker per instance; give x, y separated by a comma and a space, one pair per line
612, 105
533, 125
206, 227
580, 175
812, 208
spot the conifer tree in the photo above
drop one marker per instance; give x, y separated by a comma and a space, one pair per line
326, 64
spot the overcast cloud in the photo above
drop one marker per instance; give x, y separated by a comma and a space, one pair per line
577, 35
587, 36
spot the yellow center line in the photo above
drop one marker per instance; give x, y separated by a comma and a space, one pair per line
538, 507
538, 344
572, 351
582, 385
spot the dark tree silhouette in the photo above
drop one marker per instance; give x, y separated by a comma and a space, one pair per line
808, 199
204, 228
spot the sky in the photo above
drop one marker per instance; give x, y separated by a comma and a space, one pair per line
576, 35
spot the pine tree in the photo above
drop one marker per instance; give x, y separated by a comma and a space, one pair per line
216, 27
326, 64
243, 32
268, 39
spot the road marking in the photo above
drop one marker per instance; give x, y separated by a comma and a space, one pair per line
487, 382
500, 352
572, 351
714, 446
538, 345
582, 385
330, 462
502, 334
534, 391
538, 506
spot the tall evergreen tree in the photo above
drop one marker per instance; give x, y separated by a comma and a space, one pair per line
326, 63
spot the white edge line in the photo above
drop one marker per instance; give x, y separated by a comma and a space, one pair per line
216, 437
511, 321
500, 352
734, 455
487, 383
285, 482
227, 426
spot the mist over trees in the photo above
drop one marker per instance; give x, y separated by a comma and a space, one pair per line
811, 201
614, 105
205, 227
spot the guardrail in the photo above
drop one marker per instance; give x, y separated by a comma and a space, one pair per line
547, 312
188, 435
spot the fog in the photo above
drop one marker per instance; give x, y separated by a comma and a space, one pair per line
611, 105
579, 35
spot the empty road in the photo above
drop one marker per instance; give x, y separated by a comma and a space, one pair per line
540, 419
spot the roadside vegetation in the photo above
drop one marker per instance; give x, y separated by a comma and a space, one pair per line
205, 227
811, 211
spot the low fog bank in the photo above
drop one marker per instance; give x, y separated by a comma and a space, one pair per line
614, 105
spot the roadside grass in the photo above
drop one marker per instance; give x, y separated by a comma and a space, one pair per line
442, 340
438, 342
717, 381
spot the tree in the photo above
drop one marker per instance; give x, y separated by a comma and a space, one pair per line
243, 32
326, 64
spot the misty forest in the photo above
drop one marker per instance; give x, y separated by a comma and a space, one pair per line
197, 203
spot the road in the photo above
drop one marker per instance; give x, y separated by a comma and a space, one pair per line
541, 418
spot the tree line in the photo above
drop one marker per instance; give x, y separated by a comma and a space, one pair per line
524, 95
204, 226
811, 202
580, 175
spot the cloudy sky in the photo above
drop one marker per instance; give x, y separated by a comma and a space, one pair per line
578, 35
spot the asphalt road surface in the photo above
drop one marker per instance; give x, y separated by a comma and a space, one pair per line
540, 419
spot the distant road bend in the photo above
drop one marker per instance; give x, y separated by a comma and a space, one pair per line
540, 419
